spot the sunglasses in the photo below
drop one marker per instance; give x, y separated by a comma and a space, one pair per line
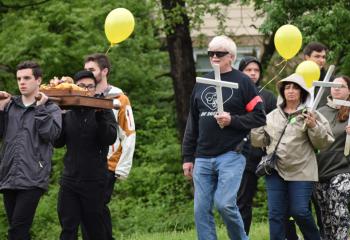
217, 54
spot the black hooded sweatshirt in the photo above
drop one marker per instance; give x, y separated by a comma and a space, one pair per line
253, 154
203, 137
87, 135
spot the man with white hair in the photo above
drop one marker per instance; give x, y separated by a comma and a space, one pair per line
212, 142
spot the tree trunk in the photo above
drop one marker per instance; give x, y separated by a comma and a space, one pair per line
183, 70
269, 49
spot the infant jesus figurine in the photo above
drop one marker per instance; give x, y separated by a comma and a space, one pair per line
64, 84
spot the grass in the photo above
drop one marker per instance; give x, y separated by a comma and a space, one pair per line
259, 231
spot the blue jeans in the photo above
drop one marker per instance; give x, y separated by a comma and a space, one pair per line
217, 180
290, 198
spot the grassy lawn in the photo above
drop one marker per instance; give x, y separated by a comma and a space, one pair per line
259, 231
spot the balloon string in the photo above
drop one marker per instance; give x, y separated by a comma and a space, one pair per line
276, 75
284, 60
110, 46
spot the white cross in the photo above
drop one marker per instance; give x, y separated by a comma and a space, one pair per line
218, 85
347, 141
322, 85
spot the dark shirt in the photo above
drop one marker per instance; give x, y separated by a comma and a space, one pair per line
332, 161
203, 136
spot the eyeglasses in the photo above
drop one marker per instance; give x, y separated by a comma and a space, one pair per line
89, 87
218, 54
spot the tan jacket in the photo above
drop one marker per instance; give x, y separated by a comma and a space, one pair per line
296, 151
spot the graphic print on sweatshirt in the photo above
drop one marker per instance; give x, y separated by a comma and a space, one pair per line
209, 97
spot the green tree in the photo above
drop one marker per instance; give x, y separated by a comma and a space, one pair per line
323, 21
179, 18
58, 34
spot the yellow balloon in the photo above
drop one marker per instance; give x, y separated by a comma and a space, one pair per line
288, 41
310, 71
119, 24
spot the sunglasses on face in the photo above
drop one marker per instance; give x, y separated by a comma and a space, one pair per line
218, 54
89, 87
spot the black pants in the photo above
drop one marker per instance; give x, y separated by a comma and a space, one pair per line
246, 193
106, 214
318, 213
81, 202
20, 206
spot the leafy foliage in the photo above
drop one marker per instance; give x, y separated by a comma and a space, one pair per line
325, 21
58, 34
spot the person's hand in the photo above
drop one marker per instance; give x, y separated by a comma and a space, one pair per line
4, 99
188, 170
347, 129
223, 119
41, 99
310, 119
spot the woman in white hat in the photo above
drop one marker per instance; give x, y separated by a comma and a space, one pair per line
290, 185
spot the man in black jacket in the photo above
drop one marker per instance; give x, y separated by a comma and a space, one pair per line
87, 134
28, 128
211, 139
252, 67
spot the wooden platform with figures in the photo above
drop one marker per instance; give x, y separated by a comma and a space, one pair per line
68, 95
68, 101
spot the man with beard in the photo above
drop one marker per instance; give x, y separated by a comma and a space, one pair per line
121, 153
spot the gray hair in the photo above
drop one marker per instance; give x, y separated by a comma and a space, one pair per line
225, 42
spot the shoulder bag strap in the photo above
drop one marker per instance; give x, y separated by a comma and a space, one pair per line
284, 129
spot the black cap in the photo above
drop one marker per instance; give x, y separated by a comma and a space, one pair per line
84, 74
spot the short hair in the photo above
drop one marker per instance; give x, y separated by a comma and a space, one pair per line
37, 72
101, 60
314, 46
225, 42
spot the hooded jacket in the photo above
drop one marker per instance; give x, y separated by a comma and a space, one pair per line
332, 161
87, 135
268, 97
296, 150
253, 154
27, 135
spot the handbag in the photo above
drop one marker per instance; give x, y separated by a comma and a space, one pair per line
267, 162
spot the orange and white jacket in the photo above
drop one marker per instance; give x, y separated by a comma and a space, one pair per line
121, 153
